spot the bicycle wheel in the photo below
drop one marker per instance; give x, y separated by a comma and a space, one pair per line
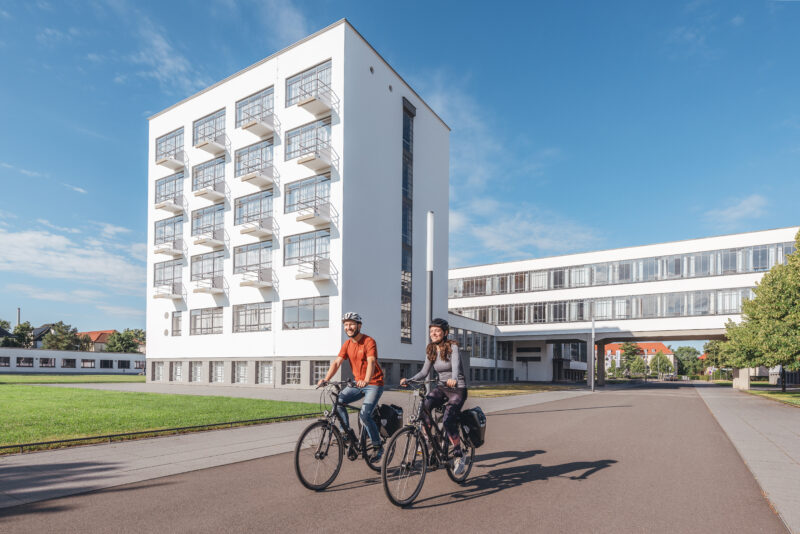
366, 451
318, 455
468, 456
405, 463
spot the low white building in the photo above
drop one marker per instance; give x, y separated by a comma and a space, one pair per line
16, 360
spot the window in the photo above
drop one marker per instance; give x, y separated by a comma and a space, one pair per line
576, 311
216, 372
305, 313
519, 283
600, 274
761, 258
24, 362
310, 245
649, 305
558, 312
169, 230
139, 364
169, 188
291, 373
208, 174
672, 267
255, 107
210, 128
87, 364
622, 308
68, 363
106, 364
539, 310
177, 319
312, 82
208, 219
624, 272
649, 269
206, 321
538, 280
701, 303
5, 361
176, 371
167, 272
158, 372
674, 306
602, 309
729, 301
195, 371
239, 372
257, 157
307, 193
729, 261
253, 207
124, 364
253, 257
318, 371
208, 265
702, 264
264, 373
308, 139
47, 362
558, 278
170, 145
578, 276
255, 317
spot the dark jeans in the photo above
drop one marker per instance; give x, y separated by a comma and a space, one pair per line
454, 399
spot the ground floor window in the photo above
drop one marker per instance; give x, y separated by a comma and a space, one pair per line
24, 362
291, 373
5, 361
318, 371
124, 364
195, 370
47, 362
240, 372
158, 371
216, 372
176, 371
138, 364
106, 364
87, 364
68, 363
264, 373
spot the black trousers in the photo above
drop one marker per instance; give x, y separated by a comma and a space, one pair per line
453, 399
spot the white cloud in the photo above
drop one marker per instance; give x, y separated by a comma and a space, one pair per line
7, 215
457, 221
109, 231
737, 21
121, 311
738, 211
95, 58
5, 14
139, 251
76, 295
45, 222
76, 188
285, 23
25, 172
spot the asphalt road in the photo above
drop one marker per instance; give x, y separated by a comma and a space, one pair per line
648, 460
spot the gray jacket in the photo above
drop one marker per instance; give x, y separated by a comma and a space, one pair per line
446, 370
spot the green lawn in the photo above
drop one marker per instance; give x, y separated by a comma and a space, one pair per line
68, 379
40, 413
504, 390
790, 397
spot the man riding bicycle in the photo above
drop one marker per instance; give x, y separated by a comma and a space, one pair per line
362, 353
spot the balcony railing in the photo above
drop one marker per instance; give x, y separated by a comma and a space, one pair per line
315, 96
173, 291
256, 171
259, 278
314, 268
315, 153
262, 227
171, 159
170, 248
210, 139
315, 211
172, 203
211, 191
257, 120
212, 238
213, 285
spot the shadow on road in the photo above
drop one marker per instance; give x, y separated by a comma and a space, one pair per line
30, 477
507, 457
563, 410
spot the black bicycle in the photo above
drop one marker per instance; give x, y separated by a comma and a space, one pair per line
415, 450
320, 450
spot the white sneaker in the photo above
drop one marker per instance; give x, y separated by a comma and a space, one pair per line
459, 466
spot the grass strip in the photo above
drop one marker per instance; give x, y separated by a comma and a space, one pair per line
69, 379
513, 389
39, 413
792, 398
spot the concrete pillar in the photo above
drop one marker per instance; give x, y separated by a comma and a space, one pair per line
741, 378
601, 363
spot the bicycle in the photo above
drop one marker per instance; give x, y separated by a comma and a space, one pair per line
319, 452
406, 459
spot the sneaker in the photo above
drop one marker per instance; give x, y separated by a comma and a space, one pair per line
459, 466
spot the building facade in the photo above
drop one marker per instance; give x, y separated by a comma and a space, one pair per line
43, 361
545, 308
280, 198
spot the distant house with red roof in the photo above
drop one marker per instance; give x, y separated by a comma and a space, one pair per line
648, 350
97, 339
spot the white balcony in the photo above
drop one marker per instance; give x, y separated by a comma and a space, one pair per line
262, 125
171, 204
213, 145
173, 291
170, 248
314, 268
317, 213
172, 160
260, 228
261, 278
213, 286
212, 192
261, 176
316, 156
316, 97
212, 239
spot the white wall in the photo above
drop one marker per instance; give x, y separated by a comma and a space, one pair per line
59, 355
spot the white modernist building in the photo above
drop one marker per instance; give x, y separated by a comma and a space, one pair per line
532, 319
279, 198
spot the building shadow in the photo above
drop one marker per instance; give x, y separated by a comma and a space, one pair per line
561, 410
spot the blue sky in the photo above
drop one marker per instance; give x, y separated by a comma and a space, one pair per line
576, 125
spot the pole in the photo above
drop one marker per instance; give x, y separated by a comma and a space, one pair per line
592, 359
19, 316
429, 265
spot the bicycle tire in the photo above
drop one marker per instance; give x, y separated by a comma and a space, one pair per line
375, 466
396, 469
327, 434
468, 455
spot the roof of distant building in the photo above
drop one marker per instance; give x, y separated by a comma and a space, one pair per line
41, 331
703, 356
646, 348
97, 336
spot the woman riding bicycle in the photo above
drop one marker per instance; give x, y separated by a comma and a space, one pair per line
443, 356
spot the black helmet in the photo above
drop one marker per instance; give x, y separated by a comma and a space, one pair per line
441, 323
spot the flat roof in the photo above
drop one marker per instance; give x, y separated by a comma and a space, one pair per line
301, 41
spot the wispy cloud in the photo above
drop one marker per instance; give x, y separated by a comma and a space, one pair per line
5, 14
121, 311
95, 58
48, 224
25, 172
75, 188
109, 231
75, 295
738, 211
52, 36
285, 22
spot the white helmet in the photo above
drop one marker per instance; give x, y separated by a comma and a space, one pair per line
351, 316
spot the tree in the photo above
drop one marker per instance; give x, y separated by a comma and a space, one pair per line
715, 357
637, 366
661, 364
769, 333
64, 337
23, 333
5, 325
686, 358
125, 341
630, 352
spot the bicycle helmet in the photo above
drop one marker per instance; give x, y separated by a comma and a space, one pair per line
352, 316
440, 323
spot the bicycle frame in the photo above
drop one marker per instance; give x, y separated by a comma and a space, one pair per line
417, 420
334, 415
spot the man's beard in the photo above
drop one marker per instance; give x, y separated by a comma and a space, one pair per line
355, 333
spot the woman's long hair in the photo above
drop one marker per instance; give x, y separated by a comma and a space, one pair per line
445, 347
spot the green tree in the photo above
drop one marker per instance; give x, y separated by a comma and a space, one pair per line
769, 333
64, 337
661, 364
630, 352
686, 358
715, 357
23, 333
5, 325
125, 341
637, 366
612, 368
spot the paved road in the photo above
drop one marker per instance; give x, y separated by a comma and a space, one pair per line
649, 460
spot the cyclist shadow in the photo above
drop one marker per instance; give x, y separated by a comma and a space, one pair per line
498, 480
506, 457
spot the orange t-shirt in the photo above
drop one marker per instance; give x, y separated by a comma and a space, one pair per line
357, 353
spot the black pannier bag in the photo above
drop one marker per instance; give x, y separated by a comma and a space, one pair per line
391, 419
473, 422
